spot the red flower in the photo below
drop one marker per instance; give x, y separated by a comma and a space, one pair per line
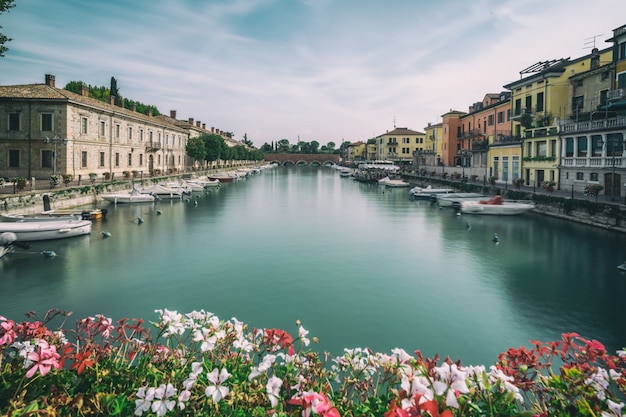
81, 360
277, 337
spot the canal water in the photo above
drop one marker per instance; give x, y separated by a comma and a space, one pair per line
358, 266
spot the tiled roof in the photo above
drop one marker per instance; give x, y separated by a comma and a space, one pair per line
45, 92
401, 131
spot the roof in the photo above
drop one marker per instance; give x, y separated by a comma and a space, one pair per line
401, 131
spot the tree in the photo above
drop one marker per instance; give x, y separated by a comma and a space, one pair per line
282, 146
113, 91
5, 6
247, 141
215, 146
267, 148
331, 146
196, 149
314, 146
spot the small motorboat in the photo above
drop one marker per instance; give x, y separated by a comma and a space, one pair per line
622, 267
133, 196
6, 242
390, 182
496, 205
428, 192
163, 192
46, 230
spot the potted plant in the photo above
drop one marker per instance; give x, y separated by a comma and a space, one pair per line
492, 180
54, 181
67, 179
593, 190
20, 183
517, 183
473, 177
92, 177
548, 186
126, 174
106, 175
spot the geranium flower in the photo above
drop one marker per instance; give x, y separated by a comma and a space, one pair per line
273, 389
44, 359
144, 401
8, 328
217, 391
161, 403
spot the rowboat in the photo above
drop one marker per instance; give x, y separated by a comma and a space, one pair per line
46, 230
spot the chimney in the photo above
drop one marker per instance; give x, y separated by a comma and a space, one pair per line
198, 123
149, 112
212, 130
50, 80
133, 107
204, 126
191, 121
112, 100
173, 114
84, 90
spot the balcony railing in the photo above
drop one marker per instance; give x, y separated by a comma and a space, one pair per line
474, 133
616, 94
541, 132
593, 162
592, 125
153, 146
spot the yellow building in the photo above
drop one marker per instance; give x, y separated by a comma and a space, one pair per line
539, 101
356, 151
433, 140
399, 145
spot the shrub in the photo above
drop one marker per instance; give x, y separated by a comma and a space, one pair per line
20, 182
548, 186
593, 190
55, 180
518, 182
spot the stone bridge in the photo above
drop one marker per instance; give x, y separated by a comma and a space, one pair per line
315, 159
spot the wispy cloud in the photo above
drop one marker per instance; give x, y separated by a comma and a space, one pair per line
319, 69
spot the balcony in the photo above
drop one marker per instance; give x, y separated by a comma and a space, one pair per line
616, 94
521, 111
507, 140
541, 132
153, 146
472, 134
392, 143
593, 162
594, 125
480, 145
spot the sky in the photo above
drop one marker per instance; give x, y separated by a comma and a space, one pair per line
301, 70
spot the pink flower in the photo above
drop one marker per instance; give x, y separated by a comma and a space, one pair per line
45, 358
8, 328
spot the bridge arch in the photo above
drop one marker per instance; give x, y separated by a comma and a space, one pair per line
301, 159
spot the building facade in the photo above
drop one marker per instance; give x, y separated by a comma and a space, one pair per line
399, 145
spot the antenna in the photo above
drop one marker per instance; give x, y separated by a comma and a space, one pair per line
394, 122
591, 41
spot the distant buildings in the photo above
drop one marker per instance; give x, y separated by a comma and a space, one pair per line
563, 121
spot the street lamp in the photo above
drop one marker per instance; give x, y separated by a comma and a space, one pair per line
55, 140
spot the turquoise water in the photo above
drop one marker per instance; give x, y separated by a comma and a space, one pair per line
358, 266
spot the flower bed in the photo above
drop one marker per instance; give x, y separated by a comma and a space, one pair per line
196, 364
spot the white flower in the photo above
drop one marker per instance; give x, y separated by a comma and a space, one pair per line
161, 404
183, 398
217, 391
172, 322
302, 333
205, 336
273, 389
144, 401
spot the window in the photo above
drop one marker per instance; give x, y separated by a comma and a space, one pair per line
615, 144
515, 167
518, 107
102, 127
508, 115
14, 158
117, 131
542, 148
130, 134
593, 176
529, 104
83, 125
140, 159
582, 146
496, 166
167, 139
83, 159
46, 122
603, 97
150, 136
500, 117
577, 104
140, 135
14, 121
101, 159
621, 51
130, 159
540, 101
596, 145
580, 176
505, 168
490, 120
46, 159
117, 159
406, 151
569, 147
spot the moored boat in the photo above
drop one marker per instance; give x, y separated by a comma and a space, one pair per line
455, 199
46, 230
393, 182
496, 205
163, 192
428, 192
133, 196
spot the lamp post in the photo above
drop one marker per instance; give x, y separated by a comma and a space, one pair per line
464, 155
55, 140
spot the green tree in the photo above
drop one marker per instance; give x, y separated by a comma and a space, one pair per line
115, 92
315, 146
282, 146
5, 6
215, 146
196, 149
267, 148
331, 146
247, 141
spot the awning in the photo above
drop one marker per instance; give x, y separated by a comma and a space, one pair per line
621, 104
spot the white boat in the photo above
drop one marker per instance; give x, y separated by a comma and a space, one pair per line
389, 182
133, 196
496, 205
455, 199
428, 192
6, 242
202, 185
46, 230
182, 186
163, 192
345, 172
